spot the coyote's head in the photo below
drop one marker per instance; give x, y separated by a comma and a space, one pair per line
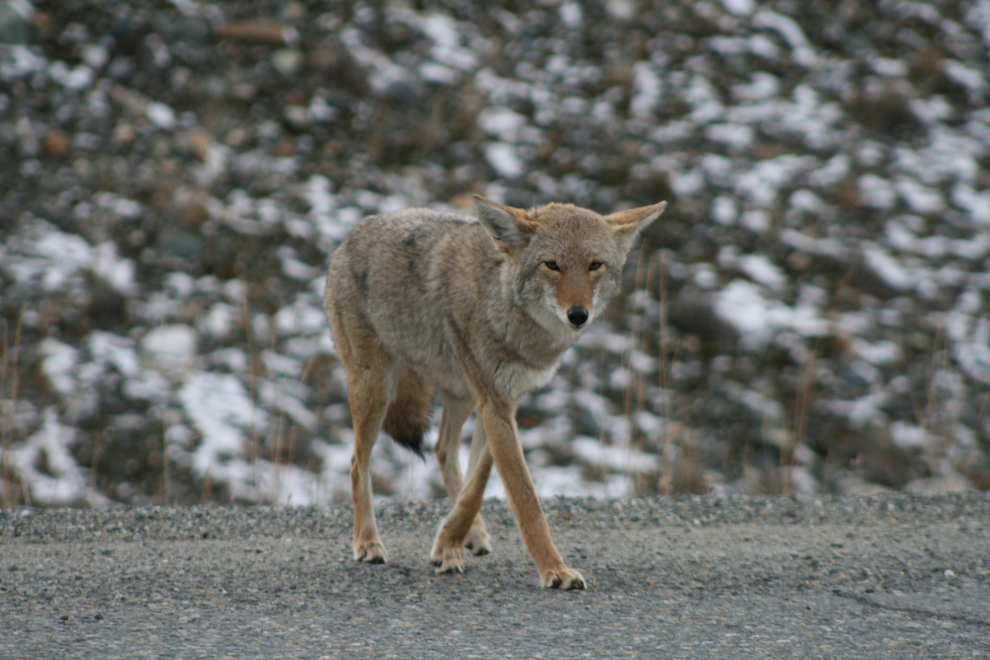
566, 261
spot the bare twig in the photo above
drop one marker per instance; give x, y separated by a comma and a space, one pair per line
8, 420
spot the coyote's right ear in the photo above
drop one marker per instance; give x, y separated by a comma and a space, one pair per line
510, 226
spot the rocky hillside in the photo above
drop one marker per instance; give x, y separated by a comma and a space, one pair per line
809, 316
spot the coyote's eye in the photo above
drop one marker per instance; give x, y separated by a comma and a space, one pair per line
552, 265
594, 265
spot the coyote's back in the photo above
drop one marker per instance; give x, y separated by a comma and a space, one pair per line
377, 289
390, 276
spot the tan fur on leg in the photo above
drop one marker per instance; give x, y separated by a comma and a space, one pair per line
448, 546
478, 540
455, 413
368, 405
368, 373
505, 448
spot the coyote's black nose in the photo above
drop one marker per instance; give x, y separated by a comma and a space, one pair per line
577, 316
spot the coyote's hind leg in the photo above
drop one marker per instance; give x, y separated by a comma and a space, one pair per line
370, 384
369, 402
464, 521
478, 540
456, 410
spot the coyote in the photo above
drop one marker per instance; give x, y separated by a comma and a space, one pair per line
482, 311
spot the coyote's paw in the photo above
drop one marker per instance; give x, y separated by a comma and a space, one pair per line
562, 578
447, 558
370, 552
478, 541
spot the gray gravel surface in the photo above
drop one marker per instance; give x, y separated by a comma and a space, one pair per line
890, 576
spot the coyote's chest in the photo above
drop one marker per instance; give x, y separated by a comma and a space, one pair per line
515, 379
511, 377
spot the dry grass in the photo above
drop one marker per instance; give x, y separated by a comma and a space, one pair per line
681, 470
633, 398
166, 491
9, 385
803, 399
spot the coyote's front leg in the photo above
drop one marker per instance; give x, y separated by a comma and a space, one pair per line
503, 443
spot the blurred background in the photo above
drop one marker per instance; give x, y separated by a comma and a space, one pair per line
809, 316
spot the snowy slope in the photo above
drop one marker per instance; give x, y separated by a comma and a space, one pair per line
810, 315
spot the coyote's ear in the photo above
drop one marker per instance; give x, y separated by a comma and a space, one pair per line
511, 227
626, 225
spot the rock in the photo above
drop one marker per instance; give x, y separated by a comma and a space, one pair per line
287, 61
15, 22
58, 143
179, 242
948, 484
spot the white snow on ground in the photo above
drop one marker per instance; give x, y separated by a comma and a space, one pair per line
227, 419
58, 363
504, 158
877, 192
743, 305
45, 463
648, 89
887, 268
761, 270
51, 258
624, 460
170, 347
971, 336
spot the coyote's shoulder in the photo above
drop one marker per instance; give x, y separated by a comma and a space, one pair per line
481, 309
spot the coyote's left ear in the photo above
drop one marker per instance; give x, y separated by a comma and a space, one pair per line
511, 227
626, 225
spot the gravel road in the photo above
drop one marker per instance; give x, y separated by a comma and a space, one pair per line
890, 576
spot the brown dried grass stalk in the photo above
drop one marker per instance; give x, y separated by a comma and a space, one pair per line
9, 382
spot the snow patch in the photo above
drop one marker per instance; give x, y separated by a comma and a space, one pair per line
45, 463
169, 347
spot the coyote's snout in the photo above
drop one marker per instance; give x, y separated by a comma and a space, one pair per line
423, 300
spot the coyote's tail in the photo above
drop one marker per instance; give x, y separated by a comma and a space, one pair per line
408, 416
